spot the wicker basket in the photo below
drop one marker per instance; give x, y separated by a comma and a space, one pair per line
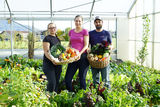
66, 61
98, 64
70, 60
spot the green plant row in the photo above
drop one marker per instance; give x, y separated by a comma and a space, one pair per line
131, 86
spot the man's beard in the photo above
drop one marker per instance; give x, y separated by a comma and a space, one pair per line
98, 27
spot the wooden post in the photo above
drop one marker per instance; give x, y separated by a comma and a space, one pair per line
30, 45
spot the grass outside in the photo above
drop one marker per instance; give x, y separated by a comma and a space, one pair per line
38, 45
18, 45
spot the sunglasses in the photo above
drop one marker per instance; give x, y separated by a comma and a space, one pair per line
52, 28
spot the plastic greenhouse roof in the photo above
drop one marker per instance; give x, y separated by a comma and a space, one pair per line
63, 9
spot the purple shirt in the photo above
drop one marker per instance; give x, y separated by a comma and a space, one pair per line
77, 39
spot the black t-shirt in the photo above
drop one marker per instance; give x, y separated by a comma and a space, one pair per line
53, 40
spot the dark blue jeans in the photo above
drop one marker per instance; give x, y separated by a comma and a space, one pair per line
83, 65
52, 73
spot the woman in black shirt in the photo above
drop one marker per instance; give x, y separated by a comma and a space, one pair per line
50, 64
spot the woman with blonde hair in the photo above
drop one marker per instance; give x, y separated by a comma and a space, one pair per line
50, 65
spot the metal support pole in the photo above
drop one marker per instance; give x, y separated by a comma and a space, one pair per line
11, 28
153, 33
90, 24
135, 35
90, 18
71, 24
10, 21
51, 10
116, 38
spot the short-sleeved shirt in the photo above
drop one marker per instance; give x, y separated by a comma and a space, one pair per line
77, 39
97, 37
52, 40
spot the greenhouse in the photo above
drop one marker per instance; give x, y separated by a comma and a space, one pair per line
132, 62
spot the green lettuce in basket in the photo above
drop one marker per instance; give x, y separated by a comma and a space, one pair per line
56, 50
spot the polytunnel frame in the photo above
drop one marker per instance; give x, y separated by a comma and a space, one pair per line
115, 15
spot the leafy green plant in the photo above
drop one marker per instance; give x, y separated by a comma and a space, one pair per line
19, 89
143, 52
154, 93
56, 50
19, 62
100, 48
66, 34
23, 87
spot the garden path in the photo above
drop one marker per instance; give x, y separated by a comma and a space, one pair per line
38, 53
